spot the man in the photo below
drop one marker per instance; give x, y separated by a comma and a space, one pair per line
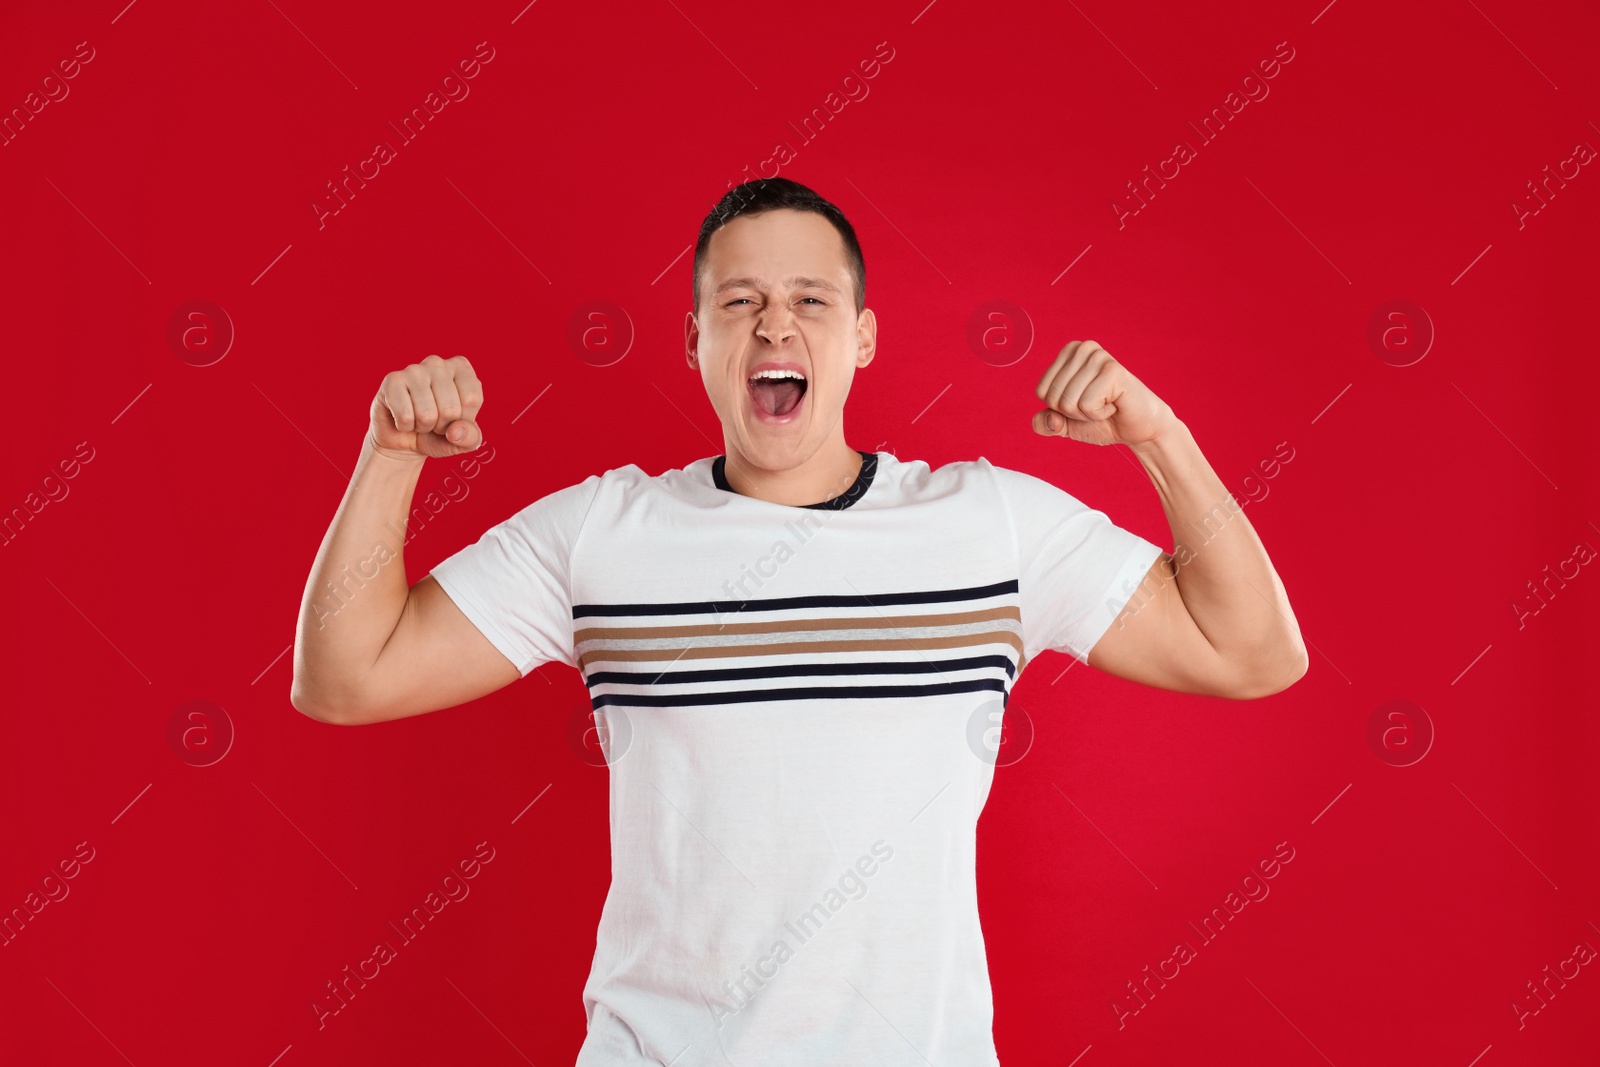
790, 647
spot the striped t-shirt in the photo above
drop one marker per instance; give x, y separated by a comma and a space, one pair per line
798, 707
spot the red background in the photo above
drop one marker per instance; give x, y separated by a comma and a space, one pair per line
1419, 503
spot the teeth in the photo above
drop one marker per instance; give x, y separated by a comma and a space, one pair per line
778, 374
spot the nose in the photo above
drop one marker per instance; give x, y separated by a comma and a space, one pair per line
777, 324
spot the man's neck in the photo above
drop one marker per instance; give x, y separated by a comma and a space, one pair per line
824, 476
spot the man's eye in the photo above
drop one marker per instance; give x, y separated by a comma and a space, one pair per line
746, 300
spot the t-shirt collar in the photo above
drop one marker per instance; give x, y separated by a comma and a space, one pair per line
858, 488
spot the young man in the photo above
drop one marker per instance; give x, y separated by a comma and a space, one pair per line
791, 648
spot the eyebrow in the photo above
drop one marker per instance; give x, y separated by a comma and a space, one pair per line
793, 281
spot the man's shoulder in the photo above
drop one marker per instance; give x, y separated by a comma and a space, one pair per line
626, 482
631, 474
1017, 489
920, 480
950, 470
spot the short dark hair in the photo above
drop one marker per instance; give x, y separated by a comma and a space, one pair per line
768, 194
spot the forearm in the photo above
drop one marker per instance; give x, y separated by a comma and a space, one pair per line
1222, 570
357, 590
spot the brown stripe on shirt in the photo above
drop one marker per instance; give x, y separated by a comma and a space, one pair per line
774, 626
790, 648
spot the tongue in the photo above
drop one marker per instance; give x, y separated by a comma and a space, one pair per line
777, 397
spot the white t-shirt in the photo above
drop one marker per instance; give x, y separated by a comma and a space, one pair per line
798, 706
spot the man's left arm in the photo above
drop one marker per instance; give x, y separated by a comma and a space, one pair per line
1211, 616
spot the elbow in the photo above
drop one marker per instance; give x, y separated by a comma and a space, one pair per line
1277, 685
316, 706
1279, 672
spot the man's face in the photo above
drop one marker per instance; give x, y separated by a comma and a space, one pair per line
777, 296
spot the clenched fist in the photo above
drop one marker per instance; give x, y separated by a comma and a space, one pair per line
428, 409
1091, 397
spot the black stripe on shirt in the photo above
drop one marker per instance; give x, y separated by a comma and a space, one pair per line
782, 603
789, 670
852, 692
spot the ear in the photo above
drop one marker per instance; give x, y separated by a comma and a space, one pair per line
866, 337
691, 340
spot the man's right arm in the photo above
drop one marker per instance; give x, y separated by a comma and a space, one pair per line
368, 647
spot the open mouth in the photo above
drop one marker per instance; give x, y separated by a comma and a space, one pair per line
777, 393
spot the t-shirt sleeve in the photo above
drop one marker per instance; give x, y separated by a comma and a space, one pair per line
514, 582
1076, 567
